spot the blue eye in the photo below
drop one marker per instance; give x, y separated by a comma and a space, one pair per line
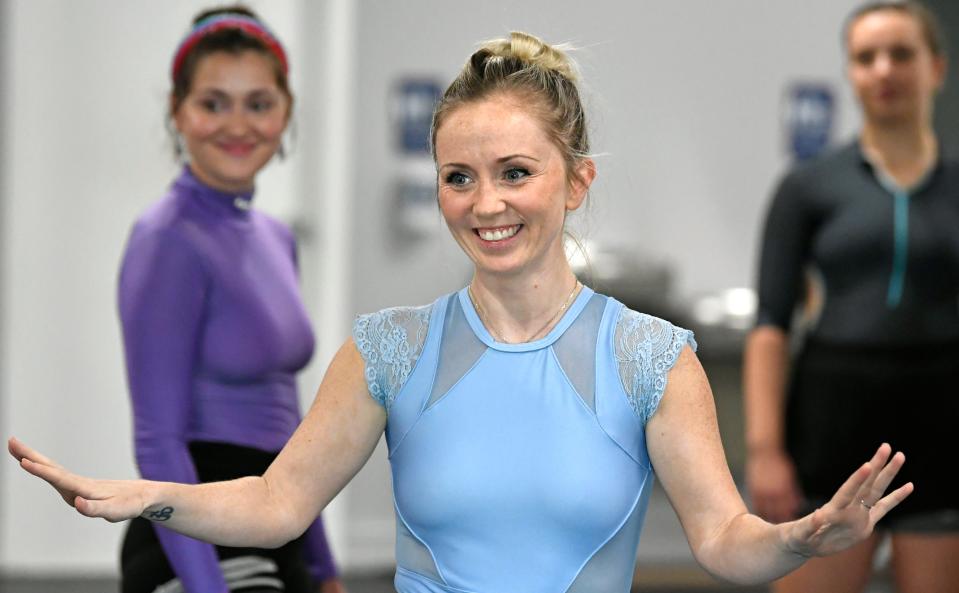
457, 179
516, 174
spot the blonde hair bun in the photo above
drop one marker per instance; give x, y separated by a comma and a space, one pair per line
530, 50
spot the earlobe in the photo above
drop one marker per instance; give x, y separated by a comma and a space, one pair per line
174, 115
942, 69
171, 106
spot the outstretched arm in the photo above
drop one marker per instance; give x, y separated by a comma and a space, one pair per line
686, 451
334, 441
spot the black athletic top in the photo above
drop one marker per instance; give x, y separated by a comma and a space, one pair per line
888, 257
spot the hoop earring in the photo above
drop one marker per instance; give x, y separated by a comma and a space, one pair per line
179, 147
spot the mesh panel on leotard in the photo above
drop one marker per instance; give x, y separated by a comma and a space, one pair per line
576, 349
412, 554
603, 572
461, 349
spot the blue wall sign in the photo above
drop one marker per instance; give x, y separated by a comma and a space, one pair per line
413, 103
810, 115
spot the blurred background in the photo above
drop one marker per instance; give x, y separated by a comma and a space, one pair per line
696, 108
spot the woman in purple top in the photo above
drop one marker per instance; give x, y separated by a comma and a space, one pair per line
213, 322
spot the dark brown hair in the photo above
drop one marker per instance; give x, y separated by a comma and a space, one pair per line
928, 23
233, 41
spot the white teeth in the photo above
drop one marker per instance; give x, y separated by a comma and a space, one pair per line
500, 234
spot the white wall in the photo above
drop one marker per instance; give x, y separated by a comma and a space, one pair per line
684, 98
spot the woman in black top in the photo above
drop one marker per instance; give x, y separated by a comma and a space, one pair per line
866, 240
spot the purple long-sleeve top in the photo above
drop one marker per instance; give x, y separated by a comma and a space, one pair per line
214, 331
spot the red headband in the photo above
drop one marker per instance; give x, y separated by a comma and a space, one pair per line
219, 22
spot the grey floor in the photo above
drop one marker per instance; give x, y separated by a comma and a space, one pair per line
380, 584
375, 584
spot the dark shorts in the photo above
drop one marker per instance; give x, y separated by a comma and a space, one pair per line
145, 569
844, 401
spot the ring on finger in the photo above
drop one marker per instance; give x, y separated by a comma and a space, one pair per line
867, 506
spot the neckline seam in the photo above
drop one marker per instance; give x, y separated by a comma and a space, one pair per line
565, 321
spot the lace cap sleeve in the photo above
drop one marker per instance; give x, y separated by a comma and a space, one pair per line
390, 342
646, 348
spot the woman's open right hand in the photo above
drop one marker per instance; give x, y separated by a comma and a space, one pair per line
113, 500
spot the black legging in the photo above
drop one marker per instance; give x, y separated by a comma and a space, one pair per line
144, 567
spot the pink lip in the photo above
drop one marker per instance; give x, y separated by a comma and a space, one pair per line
239, 149
888, 92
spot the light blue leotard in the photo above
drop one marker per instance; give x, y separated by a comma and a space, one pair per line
518, 467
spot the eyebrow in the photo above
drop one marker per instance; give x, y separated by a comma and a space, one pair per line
218, 91
212, 90
454, 165
514, 156
499, 160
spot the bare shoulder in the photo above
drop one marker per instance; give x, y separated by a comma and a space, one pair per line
687, 387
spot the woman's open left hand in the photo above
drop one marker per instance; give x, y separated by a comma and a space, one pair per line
113, 500
852, 513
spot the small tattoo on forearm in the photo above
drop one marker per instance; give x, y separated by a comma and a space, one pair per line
163, 514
